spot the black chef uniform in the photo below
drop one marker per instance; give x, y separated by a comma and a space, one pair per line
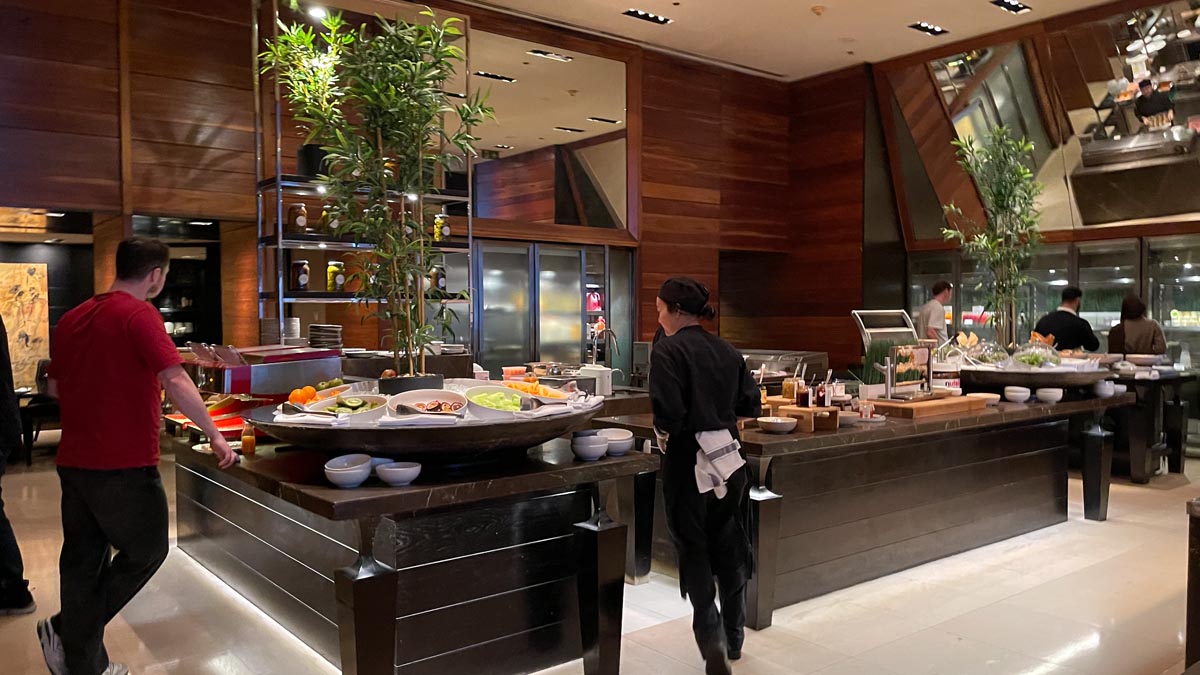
699, 382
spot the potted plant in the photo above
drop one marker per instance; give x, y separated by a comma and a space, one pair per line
1004, 243
374, 98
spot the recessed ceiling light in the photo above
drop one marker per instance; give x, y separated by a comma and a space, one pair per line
928, 28
561, 58
569, 130
1131, 22
55, 214
317, 12
1184, 34
455, 94
493, 76
54, 241
647, 16
603, 120
501, 146
1012, 6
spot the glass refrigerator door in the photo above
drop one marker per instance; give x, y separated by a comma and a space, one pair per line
1108, 271
560, 305
1173, 273
1049, 274
620, 304
505, 312
975, 316
925, 270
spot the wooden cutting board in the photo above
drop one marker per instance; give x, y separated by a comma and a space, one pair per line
943, 406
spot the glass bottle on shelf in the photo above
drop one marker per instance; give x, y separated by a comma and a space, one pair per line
335, 273
248, 439
300, 274
297, 218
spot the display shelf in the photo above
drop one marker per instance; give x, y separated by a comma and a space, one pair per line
327, 297
309, 186
326, 242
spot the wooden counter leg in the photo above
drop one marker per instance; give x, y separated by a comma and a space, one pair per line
366, 609
1136, 428
600, 547
635, 508
1097, 454
1175, 421
765, 510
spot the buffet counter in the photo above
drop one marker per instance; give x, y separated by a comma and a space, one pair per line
500, 569
833, 509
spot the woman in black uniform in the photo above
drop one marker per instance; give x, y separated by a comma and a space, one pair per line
699, 386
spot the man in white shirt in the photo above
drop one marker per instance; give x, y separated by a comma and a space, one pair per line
931, 317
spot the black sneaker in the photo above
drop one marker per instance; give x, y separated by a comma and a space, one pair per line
734, 653
15, 600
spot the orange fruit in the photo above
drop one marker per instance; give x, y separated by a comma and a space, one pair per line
309, 393
296, 397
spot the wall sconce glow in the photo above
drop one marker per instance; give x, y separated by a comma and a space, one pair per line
317, 12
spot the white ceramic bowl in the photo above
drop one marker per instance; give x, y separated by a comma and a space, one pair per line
348, 462
425, 396
951, 391
620, 441
1144, 359
484, 412
1049, 395
364, 416
1017, 394
590, 448
777, 425
1104, 389
398, 474
1119, 389
348, 471
989, 399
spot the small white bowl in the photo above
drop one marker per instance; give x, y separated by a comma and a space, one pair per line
989, 399
425, 396
1049, 395
348, 462
590, 448
1017, 394
398, 474
777, 425
484, 412
1119, 389
620, 441
348, 471
1104, 389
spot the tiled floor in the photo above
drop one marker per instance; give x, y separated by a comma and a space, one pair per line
1081, 598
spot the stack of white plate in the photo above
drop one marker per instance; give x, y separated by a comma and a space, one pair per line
325, 336
451, 348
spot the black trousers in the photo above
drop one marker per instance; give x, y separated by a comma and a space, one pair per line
12, 569
126, 510
712, 541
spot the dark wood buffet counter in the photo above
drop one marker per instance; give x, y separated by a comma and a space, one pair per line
502, 570
833, 509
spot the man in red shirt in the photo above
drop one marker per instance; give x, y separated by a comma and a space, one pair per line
110, 361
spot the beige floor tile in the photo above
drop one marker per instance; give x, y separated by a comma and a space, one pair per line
936, 652
856, 666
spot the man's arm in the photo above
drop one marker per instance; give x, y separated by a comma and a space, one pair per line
1090, 341
183, 393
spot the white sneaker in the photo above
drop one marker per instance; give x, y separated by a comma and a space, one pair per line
116, 669
52, 649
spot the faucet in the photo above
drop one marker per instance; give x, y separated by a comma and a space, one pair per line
606, 334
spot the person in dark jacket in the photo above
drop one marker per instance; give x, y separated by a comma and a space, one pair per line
699, 383
14, 588
1070, 331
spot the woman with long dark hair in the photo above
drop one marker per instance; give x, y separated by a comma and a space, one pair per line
699, 386
1137, 333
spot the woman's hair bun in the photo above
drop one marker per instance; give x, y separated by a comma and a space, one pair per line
708, 312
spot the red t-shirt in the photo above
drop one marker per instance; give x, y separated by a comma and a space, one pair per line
105, 357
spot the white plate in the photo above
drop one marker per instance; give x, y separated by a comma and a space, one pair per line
877, 419
206, 449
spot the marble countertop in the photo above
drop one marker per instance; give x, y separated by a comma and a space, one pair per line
757, 443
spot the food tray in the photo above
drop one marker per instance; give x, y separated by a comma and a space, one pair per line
467, 441
975, 379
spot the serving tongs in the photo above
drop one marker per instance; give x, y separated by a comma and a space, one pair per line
414, 410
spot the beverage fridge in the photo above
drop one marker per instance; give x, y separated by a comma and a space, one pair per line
542, 302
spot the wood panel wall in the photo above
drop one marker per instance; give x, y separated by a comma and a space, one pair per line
59, 105
518, 187
808, 295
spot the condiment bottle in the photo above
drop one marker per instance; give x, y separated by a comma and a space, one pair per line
300, 273
335, 273
248, 439
298, 217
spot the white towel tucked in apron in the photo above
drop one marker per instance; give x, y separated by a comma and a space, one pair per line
716, 461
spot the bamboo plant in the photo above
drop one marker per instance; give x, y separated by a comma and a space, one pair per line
375, 99
1005, 243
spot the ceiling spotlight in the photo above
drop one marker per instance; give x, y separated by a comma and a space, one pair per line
455, 94
56, 240
928, 28
55, 214
569, 130
647, 16
501, 146
1184, 34
493, 76
317, 12
561, 58
603, 120
1012, 6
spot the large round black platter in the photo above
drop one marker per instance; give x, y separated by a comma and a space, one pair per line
468, 441
975, 380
